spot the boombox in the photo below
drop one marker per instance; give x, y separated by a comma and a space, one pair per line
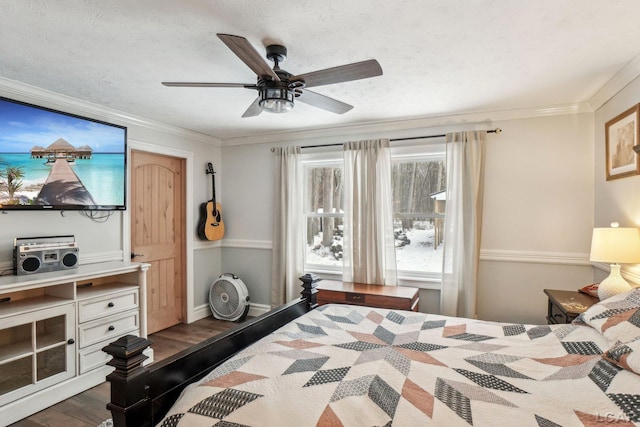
41, 254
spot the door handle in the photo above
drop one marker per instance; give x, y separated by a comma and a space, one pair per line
133, 255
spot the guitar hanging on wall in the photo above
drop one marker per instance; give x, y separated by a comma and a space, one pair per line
211, 226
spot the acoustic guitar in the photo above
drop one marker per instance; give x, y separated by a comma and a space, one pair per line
211, 226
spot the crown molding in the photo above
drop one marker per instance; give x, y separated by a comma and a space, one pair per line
619, 81
34, 95
392, 129
399, 128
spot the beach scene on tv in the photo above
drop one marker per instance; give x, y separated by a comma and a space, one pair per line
53, 159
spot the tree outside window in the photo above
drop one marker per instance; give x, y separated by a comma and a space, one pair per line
418, 213
324, 215
419, 199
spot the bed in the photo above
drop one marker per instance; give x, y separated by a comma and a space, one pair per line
342, 365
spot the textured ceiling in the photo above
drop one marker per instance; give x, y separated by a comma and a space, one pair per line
439, 57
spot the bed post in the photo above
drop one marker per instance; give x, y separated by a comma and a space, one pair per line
309, 291
129, 404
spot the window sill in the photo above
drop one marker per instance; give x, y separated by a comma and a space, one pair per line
414, 282
433, 284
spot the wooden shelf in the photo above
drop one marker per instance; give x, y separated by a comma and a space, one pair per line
15, 350
84, 292
12, 308
46, 342
82, 273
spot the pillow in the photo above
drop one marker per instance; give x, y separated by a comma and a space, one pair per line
626, 355
617, 317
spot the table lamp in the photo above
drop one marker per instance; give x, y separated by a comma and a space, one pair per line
615, 245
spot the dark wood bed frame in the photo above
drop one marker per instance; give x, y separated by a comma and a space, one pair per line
142, 395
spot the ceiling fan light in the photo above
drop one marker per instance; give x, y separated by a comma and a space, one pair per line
276, 100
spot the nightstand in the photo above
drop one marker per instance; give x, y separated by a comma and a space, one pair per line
564, 306
392, 297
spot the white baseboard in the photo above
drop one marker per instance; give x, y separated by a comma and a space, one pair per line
150, 354
256, 310
200, 312
203, 311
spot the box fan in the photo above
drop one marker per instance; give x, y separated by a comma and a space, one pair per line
229, 298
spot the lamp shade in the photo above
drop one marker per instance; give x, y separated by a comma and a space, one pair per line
615, 245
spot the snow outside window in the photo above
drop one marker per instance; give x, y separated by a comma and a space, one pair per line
419, 199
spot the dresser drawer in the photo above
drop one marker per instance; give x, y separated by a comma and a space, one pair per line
564, 306
106, 305
556, 315
391, 297
93, 357
107, 329
351, 298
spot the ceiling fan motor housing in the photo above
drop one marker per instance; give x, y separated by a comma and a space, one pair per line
276, 53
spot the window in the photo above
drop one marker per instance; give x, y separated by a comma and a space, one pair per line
323, 216
418, 186
419, 198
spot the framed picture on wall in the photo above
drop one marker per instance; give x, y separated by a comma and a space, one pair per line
621, 134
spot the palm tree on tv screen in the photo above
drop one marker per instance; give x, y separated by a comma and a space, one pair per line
11, 178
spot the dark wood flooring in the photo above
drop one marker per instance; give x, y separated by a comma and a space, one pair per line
88, 409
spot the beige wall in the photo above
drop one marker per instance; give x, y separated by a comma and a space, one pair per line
619, 199
537, 212
537, 215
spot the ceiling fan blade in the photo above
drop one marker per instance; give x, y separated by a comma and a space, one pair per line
254, 109
249, 55
342, 73
324, 102
203, 84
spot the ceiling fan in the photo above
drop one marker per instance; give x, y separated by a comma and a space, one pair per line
277, 88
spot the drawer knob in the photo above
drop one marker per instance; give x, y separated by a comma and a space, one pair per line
111, 305
71, 341
112, 328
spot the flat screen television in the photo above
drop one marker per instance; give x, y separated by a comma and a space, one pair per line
60, 161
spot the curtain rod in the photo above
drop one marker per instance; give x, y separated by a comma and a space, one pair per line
496, 131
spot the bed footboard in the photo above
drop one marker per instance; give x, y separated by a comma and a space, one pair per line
141, 396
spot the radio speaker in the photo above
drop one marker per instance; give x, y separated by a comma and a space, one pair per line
30, 264
70, 259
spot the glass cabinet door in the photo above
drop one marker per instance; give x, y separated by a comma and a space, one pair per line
37, 350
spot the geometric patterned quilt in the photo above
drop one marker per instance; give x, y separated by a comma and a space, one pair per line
342, 365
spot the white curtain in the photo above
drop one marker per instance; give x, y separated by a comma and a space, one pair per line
288, 261
369, 252
463, 220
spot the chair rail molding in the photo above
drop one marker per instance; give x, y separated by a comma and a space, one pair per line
566, 258
247, 244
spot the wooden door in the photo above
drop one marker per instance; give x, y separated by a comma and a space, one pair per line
157, 233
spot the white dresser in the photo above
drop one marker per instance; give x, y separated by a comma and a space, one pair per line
53, 327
